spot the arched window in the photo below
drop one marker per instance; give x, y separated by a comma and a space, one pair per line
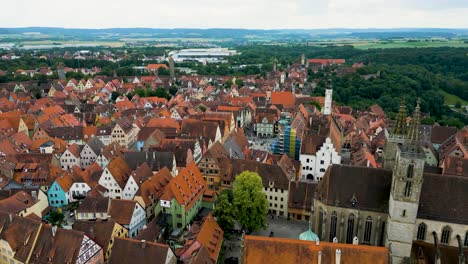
421, 235
408, 189
320, 224
445, 238
368, 230
333, 220
382, 235
350, 230
409, 171
409, 176
466, 239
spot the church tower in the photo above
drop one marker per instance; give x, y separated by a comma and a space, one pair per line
171, 68
327, 105
303, 60
395, 137
405, 191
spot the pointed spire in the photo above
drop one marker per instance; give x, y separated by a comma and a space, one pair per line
400, 128
413, 133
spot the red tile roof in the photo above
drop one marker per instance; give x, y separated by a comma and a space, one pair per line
281, 250
327, 61
283, 98
187, 187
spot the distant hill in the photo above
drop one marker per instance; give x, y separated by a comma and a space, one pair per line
243, 33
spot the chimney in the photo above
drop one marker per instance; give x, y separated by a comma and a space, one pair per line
143, 243
11, 217
319, 257
335, 240
317, 242
355, 240
54, 230
34, 195
338, 256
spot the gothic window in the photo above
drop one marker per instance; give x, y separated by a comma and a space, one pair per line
445, 238
320, 225
333, 220
350, 229
421, 232
408, 189
382, 235
368, 230
409, 171
466, 239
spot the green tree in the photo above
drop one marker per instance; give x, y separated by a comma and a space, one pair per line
250, 201
427, 120
458, 105
173, 90
228, 83
239, 83
115, 95
224, 211
162, 93
56, 218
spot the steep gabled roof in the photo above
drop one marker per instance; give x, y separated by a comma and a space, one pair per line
99, 231
369, 186
119, 170
121, 211
20, 234
127, 250
187, 187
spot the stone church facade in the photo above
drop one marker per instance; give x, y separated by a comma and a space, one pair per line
393, 206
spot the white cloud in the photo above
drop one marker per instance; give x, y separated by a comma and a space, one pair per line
236, 13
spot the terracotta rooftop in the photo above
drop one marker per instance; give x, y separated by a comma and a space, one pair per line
187, 187
281, 250
121, 211
127, 250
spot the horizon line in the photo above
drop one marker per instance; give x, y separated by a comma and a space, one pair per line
240, 28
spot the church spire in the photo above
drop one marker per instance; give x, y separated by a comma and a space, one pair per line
400, 128
413, 133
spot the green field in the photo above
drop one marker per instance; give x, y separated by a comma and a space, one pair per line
452, 99
73, 42
406, 44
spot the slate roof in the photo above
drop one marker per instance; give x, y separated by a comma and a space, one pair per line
453, 208
301, 195
155, 160
66, 133
370, 187
96, 145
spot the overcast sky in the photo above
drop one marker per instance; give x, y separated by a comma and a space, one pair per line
265, 14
